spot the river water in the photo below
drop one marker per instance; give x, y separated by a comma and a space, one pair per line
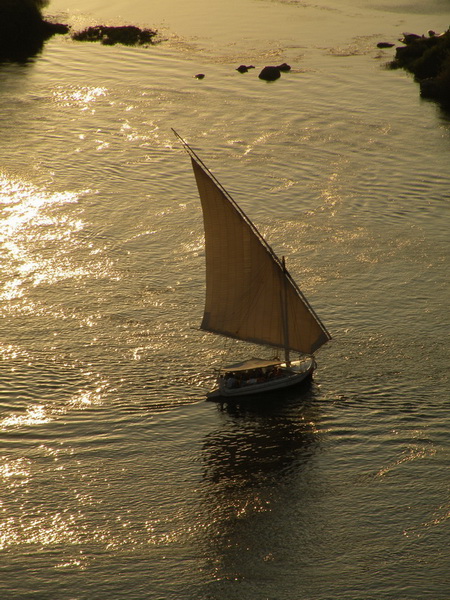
118, 479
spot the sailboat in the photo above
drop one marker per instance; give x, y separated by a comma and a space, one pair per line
251, 296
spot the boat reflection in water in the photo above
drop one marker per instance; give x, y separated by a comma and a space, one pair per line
258, 469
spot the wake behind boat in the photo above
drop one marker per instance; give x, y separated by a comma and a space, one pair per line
251, 296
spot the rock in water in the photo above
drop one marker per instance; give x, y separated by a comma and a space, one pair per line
270, 73
244, 68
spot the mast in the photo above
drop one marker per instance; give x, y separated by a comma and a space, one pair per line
284, 314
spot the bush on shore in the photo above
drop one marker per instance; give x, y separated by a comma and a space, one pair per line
23, 29
428, 58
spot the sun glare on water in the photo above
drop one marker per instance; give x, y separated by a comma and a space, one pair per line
32, 224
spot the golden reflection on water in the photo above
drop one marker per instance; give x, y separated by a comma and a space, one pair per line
54, 529
31, 224
9, 351
44, 531
82, 97
410, 454
14, 472
40, 414
35, 415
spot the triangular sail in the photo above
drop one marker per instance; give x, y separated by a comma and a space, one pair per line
249, 294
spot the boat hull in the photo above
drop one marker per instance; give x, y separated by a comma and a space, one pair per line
293, 375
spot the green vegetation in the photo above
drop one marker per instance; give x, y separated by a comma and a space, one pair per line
428, 58
128, 35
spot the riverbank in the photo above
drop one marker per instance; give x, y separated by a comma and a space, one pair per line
428, 58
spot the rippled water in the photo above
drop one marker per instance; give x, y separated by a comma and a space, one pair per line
118, 480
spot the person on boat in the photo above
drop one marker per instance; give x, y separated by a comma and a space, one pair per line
231, 381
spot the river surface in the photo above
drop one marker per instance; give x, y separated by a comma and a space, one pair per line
118, 479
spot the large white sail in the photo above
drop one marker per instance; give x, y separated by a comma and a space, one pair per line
249, 294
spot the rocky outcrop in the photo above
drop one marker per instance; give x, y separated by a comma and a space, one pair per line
128, 35
428, 58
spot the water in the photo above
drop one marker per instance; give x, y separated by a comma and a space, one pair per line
118, 480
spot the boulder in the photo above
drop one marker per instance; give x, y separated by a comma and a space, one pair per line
244, 68
270, 73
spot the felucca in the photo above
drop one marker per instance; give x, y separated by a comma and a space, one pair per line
251, 296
